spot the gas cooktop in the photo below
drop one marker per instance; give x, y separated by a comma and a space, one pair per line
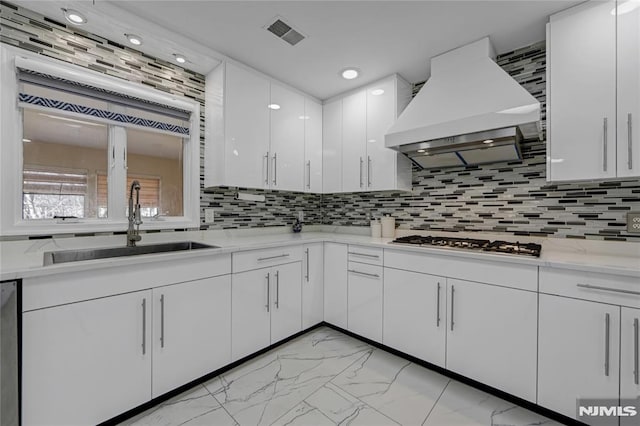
525, 249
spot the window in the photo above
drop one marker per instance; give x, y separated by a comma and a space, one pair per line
83, 142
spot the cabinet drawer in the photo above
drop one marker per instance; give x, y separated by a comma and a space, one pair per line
365, 270
514, 275
362, 254
605, 288
264, 258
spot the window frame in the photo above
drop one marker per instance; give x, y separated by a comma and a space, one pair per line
11, 150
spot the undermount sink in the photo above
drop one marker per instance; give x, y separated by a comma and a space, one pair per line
64, 256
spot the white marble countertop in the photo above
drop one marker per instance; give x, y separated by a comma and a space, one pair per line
24, 259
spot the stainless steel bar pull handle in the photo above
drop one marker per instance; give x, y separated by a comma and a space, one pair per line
309, 174
266, 162
162, 321
636, 350
307, 274
361, 184
144, 326
268, 296
605, 129
438, 307
273, 257
275, 168
629, 142
452, 291
368, 171
607, 323
364, 273
277, 289
615, 290
375, 256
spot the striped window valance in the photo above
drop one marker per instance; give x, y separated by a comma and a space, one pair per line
26, 99
47, 92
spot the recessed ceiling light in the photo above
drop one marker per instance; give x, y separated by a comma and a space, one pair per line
304, 117
180, 58
421, 150
75, 17
134, 39
273, 106
487, 141
349, 73
377, 92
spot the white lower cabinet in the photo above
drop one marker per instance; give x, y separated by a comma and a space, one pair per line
286, 294
365, 300
191, 331
312, 285
85, 362
629, 358
414, 314
578, 352
491, 335
335, 284
265, 306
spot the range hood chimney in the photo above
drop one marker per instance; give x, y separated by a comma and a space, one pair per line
469, 112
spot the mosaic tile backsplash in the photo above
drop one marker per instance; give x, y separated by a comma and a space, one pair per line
506, 197
510, 197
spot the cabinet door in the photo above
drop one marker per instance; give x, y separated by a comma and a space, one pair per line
286, 296
250, 312
287, 139
335, 284
312, 285
628, 67
332, 147
582, 93
246, 128
86, 362
574, 347
354, 153
491, 336
313, 146
629, 358
365, 300
191, 331
381, 114
415, 314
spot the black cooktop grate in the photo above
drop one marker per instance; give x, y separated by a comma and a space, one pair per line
526, 249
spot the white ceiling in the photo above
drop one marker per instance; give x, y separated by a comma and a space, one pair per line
378, 37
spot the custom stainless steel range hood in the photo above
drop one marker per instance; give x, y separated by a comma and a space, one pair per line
469, 112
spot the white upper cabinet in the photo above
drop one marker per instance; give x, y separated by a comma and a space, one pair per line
240, 128
287, 139
628, 67
587, 139
256, 132
353, 139
332, 147
312, 146
354, 130
386, 169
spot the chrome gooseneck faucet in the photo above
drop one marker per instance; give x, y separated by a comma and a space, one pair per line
133, 235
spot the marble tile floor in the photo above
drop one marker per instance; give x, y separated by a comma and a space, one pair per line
327, 378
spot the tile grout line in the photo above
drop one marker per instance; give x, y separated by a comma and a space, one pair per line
328, 381
221, 404
436, 403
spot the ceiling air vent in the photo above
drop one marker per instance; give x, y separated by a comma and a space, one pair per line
282, 30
